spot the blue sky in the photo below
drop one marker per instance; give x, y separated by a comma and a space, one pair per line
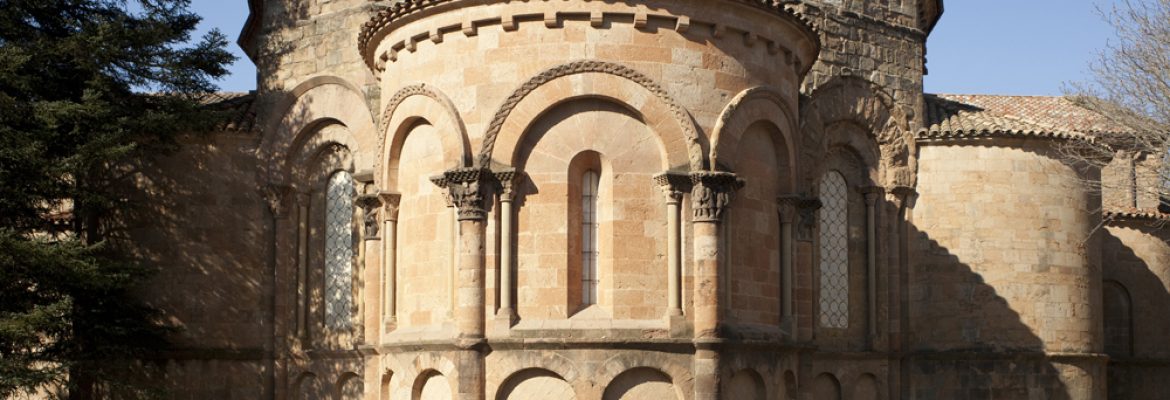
1019, 47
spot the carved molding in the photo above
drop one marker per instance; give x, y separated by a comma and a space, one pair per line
418, 90
868, 105
694, 148
465, 190
712, 193
381, 24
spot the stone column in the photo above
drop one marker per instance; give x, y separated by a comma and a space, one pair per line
711, 195
390, 202
369, 328
901, 199
466, 189
507, 312
787, 206
302, 286
673, 185
281, 288
872, 195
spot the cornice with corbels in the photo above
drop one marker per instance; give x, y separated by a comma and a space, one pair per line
398, 15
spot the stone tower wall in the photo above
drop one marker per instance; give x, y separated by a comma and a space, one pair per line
1006, 274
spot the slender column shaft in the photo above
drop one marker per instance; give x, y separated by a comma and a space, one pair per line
302, 265
673, 257
506, 255
786, 274
390, 269
871, 197
453, 265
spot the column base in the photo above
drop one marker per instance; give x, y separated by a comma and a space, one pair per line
504, 320
679, 328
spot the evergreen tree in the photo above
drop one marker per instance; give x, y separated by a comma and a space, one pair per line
90, 91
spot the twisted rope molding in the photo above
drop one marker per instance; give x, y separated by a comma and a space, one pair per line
690, 134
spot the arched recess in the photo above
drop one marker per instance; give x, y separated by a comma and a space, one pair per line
642, 383
406, 109
1118, 319
826, 387
306, 387
313, 102
535, 383
508, 368
749, 108
349, 387
761, 159
845, 165
746, 384
866, 388
864, 104
432, 385
681, 145
563, 143
665, 368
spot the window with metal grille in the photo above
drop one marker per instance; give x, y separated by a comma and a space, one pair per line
589, 185
834, 251
339, 250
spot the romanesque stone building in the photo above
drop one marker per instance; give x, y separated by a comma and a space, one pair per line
645, 199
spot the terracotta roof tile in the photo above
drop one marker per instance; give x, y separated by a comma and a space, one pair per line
241, 109
958, 116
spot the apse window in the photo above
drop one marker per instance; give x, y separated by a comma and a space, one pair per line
339, 250
834, 251
589, 186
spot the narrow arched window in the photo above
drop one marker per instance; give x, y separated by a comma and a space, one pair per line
833, 224
339, 250
589, 185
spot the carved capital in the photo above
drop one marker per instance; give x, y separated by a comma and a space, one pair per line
800, 211
465, 191
369, 204
279, 199
788, 207
390, 203
872, 194
904, 196
712, 193
673, 185
508, 180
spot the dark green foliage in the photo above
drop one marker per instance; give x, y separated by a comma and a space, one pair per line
90, 92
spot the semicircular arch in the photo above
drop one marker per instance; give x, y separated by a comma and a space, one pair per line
409, 106
318, 101
682, 145
861, 103
749, 107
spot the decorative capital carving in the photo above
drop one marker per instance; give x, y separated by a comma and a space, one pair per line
673, 185
904, 196
711, 194
507, 180
390, 203
465, 191
801, 211
872, 194
369, 204
278, 198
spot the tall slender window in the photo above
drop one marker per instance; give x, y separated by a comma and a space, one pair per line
339, 250
834, 251
589, 182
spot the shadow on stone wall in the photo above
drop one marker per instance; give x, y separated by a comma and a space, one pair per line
1136, 328
965, 340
